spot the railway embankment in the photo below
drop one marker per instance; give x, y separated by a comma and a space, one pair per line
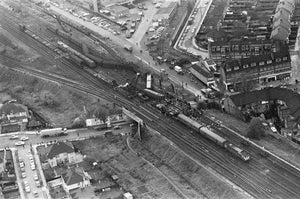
193, 174
275, 144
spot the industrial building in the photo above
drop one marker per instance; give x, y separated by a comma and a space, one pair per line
166, 12
203, 73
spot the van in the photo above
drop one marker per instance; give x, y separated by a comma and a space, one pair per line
178, 69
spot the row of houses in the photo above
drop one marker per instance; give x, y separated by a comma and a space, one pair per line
63, 153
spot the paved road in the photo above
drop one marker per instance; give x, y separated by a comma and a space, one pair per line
23, 154
193, 87
202, 6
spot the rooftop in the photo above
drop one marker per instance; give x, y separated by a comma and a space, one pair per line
73, 176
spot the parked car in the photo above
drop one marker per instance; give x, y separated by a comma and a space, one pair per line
35, 194
24, 138
14, 137
23, 175
35, 177
20, 143
37, 183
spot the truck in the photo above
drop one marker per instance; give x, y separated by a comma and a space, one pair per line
53, 132
178, 69
128, 48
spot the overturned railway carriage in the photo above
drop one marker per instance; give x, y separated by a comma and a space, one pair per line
84, 58
208, 133
153, 94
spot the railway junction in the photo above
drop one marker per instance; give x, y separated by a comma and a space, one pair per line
260, 176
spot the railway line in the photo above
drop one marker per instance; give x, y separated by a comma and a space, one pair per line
245, 176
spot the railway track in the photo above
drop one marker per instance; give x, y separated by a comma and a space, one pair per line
216, 158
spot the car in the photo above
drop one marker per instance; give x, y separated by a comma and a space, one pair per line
117, 127
25, 183
24, 138
23, 175
35, 194
35, 177
30, 157
37, 183
14, 137
22, 164
27, 189
32, 167
20, 143
22, 169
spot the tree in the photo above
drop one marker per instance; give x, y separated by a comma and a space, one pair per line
256, 129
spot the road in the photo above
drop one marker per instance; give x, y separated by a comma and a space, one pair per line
23, 154
145, 57
189, 39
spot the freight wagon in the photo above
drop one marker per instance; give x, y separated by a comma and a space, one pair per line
84, 58
208, 133
153, 94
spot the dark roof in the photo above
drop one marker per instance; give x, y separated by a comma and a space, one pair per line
256, 59
200, 68
240, 42
291, 98
73, 176
12, 108
1, 155
60, 147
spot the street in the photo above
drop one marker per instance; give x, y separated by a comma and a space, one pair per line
27, 154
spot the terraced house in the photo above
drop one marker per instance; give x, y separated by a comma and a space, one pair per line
256, 70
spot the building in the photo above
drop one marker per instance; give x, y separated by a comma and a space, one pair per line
281, 20
166, 12
57, 190
256, 70
75, 178
118, 11
59, 153
13, 117
2, 162
201, 72
220, 51
107, 3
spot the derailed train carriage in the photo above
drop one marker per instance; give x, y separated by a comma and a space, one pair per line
208, 133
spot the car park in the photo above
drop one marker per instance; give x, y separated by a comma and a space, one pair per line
20, 143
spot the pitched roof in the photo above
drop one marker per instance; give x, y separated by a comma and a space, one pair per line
12, 108
60, 147
73, 176
1, 155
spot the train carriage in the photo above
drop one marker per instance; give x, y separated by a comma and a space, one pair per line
208, 133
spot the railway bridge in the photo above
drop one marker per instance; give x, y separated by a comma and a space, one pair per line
138, 120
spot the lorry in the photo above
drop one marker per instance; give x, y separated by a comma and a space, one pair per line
178, 69
128, 48
53, 132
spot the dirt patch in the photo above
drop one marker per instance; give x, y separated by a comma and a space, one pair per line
135, 174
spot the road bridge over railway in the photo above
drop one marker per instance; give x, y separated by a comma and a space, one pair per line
139, 121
